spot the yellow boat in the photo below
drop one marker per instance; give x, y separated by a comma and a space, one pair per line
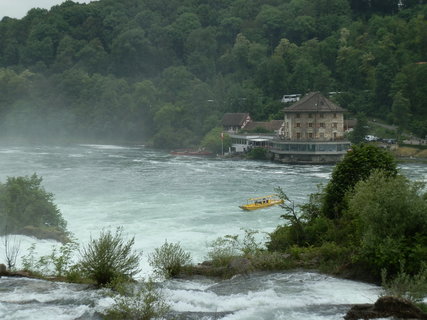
262, 202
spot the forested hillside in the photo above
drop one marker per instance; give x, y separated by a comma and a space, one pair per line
164, 71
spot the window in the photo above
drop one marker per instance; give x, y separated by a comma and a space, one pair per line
335, 125
310, 115
310, 135
310, 124
298, 124
321, 115
322, 124
298, 135
335, 115
298, 115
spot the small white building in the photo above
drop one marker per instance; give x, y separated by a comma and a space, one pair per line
241, 143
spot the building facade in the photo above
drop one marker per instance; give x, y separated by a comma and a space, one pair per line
314, 117
313, 132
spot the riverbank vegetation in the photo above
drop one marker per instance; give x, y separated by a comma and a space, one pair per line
27, 209
374, 216
164, 72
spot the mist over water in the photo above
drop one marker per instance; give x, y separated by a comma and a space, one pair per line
156, 197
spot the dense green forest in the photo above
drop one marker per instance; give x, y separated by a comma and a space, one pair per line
164, 72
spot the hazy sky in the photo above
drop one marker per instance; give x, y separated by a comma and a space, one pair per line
19, 8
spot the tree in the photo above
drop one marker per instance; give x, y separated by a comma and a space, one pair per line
357, 165
400, 111
391, 222
360, 130
109, 257
132, 53
24, 202
270, 19
215, 141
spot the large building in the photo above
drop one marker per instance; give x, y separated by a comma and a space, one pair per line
314, 117
313, 132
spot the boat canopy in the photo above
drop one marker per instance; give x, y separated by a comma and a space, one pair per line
264, 197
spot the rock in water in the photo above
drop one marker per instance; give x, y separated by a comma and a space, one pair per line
386, 307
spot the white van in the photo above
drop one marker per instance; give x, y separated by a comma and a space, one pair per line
371, 138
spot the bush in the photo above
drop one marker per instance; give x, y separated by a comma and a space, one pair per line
282, 238
357, 165
109, 257
223, 250
141, 302
307, 226
257, 154
403, 285
272, 261
56, 264
168, 260
390, 215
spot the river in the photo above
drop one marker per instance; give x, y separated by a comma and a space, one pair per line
155, 197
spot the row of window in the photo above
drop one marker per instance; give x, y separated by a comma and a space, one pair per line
320, 125
311, 147
311, 135
310, 115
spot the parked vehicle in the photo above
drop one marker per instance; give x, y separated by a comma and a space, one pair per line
371, 138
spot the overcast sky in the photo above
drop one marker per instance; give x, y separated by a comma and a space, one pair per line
19, 8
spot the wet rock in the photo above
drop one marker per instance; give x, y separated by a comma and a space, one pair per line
207, 263
386, 307
240, 265
45, 233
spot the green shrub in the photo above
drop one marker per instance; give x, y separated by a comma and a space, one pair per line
213, 142
272, 261
249, 245
390, 215
223, 250
109, 257
257, 154
141, 302
404, 285
281, 239
57, 264
319, 230
168, 260
61, 258
357, 165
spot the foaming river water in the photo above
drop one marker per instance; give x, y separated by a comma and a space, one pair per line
155, 197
